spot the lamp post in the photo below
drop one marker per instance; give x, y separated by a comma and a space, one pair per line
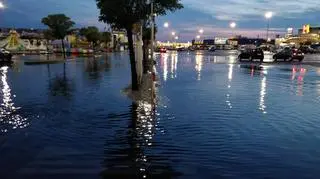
152, 28
232, 26
268, 16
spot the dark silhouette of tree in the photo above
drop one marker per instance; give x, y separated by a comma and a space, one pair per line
59, 25
92, 34
123, 14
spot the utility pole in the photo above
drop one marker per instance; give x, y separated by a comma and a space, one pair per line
152, 31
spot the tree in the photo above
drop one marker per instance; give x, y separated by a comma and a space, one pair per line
59, 25
123, 14
106, 37
91, 33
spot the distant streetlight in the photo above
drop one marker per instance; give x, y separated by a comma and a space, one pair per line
268, 16
201, 31
233, 25
198, 36
173, 33
166, 24
176, 37
2, 5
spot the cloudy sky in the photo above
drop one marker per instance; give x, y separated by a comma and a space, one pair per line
213, 16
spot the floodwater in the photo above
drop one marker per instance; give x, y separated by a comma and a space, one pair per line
213, 118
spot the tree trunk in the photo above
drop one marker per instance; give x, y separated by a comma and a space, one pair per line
63, 50
134, 76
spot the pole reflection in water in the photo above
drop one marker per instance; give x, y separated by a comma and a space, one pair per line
164, 63
198, 67
230, 76
263, 93
174, 61
129, 156
299, 73
9, 119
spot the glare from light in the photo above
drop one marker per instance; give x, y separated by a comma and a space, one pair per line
233, 25
176, 37
268, 15
2, 5
201, 31
173, 33
198, 36
166, 24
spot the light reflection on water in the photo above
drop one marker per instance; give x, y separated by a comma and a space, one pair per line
9, 119
198, 66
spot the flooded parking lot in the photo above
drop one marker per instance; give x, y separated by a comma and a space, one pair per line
214, 118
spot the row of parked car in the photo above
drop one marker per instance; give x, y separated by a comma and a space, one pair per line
287, 54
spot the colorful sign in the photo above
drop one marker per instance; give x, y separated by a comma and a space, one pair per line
306, 29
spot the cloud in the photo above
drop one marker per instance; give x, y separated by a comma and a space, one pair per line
250, 9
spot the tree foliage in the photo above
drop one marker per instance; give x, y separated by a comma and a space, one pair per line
91, 33
122, 14
106, 37
59, 25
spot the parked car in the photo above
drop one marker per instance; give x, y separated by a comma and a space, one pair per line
251, 54
307, 49
212, 49
5, 55
289, 54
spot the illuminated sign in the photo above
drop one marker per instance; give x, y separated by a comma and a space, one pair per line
220, 40
306, 29
290, 31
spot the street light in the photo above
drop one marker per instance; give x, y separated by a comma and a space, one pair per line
166, 24
198, 36
201, 31
2, 5
176, 37
268, 16
233, 25
173, 33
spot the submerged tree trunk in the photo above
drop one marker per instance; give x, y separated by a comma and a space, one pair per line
63, 50
134, 76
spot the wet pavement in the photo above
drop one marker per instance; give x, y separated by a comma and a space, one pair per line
213, 118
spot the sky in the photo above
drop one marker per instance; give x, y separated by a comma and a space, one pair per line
213, 16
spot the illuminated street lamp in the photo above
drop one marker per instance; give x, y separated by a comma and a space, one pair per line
176, 37
198, 36
173, 33
201, 31
268, 16
2, 5
166, 24
232, 26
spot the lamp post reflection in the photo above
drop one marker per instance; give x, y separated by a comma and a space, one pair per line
230, 76
9, 119
263, 93
164, 63
300, 72
174, 61
198, 67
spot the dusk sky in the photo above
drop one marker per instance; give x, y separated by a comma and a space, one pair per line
213, 16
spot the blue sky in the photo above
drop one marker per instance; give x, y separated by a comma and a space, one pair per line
213, 16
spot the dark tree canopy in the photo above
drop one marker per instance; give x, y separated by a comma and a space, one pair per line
123, 13
59, 24
91, 33
106, 37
